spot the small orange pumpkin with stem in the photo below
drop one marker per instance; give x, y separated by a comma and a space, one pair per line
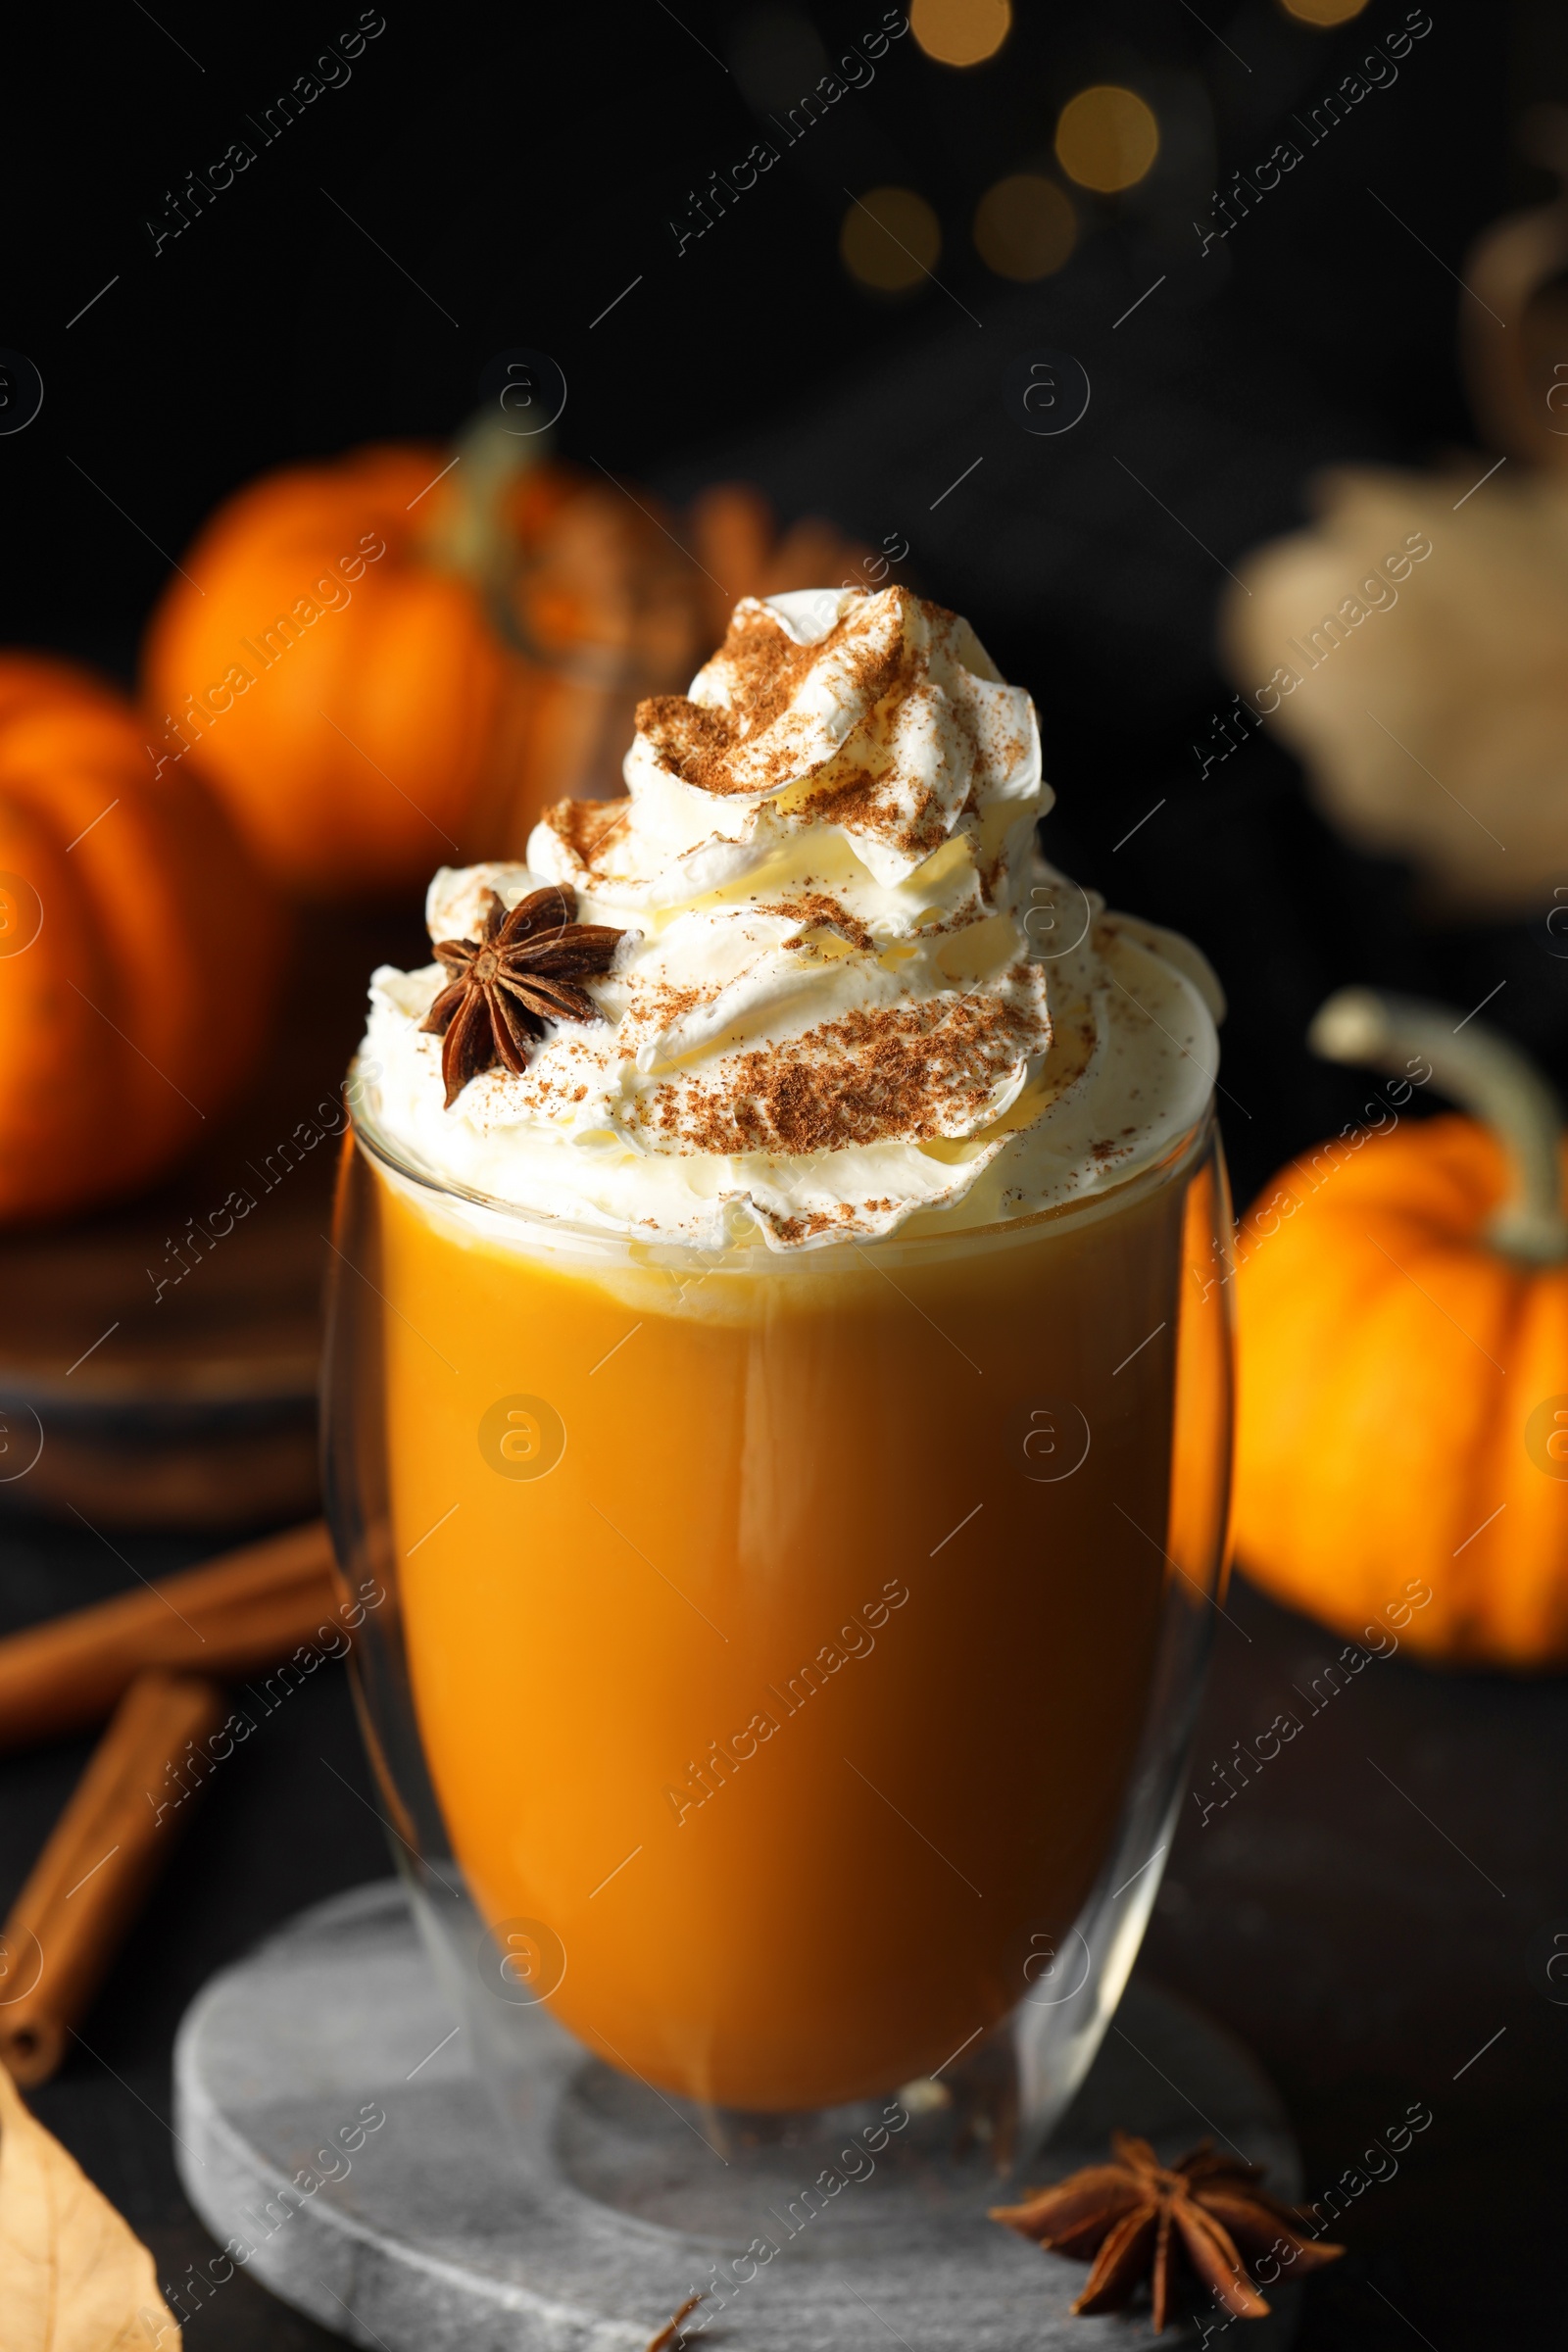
400, 657
1402, 1315
139, 948
342, 693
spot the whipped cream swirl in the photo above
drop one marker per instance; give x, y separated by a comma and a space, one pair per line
850, 990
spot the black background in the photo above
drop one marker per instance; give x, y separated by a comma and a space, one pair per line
508, 173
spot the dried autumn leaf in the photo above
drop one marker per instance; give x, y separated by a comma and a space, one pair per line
72, 2278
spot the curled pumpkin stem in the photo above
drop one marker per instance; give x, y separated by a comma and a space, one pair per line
1485, 1075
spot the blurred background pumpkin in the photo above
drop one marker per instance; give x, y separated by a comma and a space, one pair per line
1409, 646
1402, 1326
139, 948
338, 673
1428, 699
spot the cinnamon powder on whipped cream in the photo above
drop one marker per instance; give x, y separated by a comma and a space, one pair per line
698, 741
864, 1079
816, 910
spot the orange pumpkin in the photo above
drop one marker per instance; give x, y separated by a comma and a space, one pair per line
343, 691
138, 948
1403, 1312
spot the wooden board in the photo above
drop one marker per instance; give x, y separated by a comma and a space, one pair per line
159, 1361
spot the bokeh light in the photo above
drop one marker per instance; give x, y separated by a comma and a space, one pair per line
1025, 227
890, 240
1323, 11
1107, 138
961, 32
775, 55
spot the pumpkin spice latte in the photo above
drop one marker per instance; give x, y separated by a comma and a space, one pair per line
780, 1189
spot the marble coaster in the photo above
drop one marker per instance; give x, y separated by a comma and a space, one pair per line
343, 2135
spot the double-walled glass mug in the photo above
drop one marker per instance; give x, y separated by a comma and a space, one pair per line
790, 1659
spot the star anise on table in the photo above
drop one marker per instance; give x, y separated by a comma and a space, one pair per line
1204, 2218
520, 973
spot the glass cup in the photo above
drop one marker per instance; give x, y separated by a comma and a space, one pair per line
789, 1660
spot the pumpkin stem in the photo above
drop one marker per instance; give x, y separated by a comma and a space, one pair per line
466, 532
1485, 1075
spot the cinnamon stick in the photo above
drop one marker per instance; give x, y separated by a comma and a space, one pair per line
231, 1617
107, 1848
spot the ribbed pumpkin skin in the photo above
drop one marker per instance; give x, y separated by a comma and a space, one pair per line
351, 759
1390, 1361
139, 1008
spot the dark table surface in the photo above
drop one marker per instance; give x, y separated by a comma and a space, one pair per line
1366, 1914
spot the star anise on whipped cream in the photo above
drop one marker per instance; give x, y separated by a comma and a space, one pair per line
1202, 2217
519, 974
